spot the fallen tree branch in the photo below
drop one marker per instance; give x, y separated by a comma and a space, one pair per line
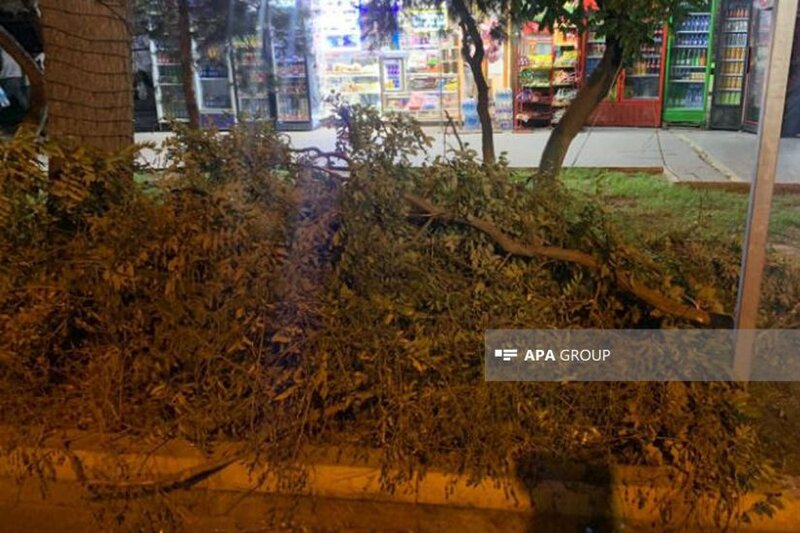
511, 246
508, 244
181, 480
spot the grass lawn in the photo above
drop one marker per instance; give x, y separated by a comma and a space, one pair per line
652, 204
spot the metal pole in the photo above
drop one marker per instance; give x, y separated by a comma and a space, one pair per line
769, 133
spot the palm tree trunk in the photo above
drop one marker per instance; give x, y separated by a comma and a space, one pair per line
187, 63
591, 94
88, 80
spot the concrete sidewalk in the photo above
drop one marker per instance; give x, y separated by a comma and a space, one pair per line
684, 154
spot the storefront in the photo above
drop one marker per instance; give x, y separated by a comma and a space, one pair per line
548, 75
301, 53
421, 70
264, 75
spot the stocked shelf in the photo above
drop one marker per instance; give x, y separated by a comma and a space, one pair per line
420, 77
548, 74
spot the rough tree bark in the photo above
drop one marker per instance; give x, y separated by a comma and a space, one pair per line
474, 55
31, 70
88, 80
596, 88
187, 63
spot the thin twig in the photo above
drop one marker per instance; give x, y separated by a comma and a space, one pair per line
451, 124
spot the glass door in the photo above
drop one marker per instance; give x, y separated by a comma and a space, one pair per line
289, 47
167, 78
731, 64
689, 66
595, 48
215, 98
643, 77
251, 78
346, 66
757, 64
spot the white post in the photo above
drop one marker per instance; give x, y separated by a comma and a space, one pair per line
769, 133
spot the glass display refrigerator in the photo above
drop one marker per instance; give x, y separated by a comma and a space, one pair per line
253, 97
421, 75
731, 71
636, 99
533, 79
215, 95
757, 62
688, 72
213, 85
345, 64
167, 82
295, 91
791, 114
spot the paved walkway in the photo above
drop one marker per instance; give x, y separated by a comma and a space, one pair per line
684, 154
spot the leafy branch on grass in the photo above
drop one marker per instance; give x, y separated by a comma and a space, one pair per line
509, 245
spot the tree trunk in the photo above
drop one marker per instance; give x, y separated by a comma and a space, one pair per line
36, 101
596, 88
88, 80
187, 63
473, 55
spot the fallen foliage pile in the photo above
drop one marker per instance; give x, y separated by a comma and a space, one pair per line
254, 293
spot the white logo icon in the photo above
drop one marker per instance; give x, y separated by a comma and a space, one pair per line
505, 355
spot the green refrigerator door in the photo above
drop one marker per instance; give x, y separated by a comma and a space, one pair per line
689, 68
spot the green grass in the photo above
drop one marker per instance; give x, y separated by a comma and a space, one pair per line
652, 204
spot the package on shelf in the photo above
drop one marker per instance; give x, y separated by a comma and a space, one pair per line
469, 114
504, 109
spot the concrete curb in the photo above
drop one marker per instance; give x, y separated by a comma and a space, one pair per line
631, 494
741, 187
706, 157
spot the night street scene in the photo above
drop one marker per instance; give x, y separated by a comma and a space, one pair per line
400, 266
